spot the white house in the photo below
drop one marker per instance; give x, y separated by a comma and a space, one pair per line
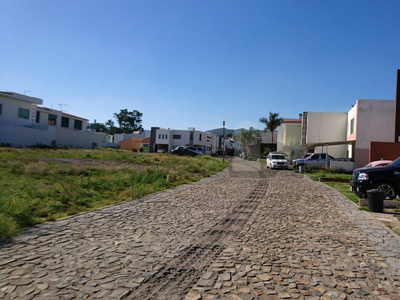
168, 139
369, 121
24, 123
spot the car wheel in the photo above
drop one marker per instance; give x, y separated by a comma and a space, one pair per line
388, 188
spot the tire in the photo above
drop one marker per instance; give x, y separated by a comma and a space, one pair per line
388, 188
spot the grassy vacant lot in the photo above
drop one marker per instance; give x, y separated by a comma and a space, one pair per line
341, 187
38, 185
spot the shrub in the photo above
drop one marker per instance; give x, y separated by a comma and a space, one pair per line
39, 168
8, 226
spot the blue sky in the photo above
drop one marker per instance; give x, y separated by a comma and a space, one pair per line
197, 63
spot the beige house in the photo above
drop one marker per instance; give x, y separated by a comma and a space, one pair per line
289, 137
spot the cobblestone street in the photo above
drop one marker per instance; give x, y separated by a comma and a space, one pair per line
245, 233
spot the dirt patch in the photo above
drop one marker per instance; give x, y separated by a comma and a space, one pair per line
90, 162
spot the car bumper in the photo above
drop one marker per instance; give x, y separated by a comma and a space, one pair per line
279, 167
360, 188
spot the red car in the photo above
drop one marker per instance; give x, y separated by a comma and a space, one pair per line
378, 163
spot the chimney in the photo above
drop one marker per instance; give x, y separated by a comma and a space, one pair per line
397, 110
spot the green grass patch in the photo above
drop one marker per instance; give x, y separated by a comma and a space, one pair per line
34, 191
343, 188
316, 174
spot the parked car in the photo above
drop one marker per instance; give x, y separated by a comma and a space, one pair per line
378, 163
196, 149
315, 160
385, 178
184, 151
277, 161
160, 151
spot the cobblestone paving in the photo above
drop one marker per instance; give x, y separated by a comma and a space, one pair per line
245, 233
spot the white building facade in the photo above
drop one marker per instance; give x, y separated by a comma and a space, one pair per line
24, 123
369, 121
325, 127
169, 139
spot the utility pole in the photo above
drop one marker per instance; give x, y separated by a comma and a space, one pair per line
223, 145
397, 110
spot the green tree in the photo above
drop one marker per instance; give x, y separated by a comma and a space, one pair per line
99, 127
129, 121
271, 123
111, 127
248, 137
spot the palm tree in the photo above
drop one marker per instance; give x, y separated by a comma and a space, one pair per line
248, 137
271, 123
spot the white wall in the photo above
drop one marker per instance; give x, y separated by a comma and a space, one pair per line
9, 114
185, 137
163, 136
206, 138
352, 114
327, 127
75, 138
266, 137
288, 135
375, 122
26, 136
279, 138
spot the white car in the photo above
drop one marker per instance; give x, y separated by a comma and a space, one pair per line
277, 161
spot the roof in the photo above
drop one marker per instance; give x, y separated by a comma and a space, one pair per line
293, 121
76, 117
137, 140
145, 140
63, 113
21, 97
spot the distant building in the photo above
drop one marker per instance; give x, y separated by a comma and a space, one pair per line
118, 137
169, 139
324, 128
289, 137
369, 121
136, 144
24, 123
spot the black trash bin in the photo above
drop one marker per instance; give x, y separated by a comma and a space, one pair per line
375, 200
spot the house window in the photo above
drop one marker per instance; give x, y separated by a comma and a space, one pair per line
78, 125
176, 136
23, 113
159, 136
64, 122
38, 117
352, 126
162, 136
200, 137
52, 120
1, 109
166, 136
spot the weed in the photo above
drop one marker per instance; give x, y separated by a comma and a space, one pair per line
34, 191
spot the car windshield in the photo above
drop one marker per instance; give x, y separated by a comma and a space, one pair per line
278, 157
396, 163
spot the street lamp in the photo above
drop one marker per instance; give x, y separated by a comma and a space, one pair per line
223, 145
